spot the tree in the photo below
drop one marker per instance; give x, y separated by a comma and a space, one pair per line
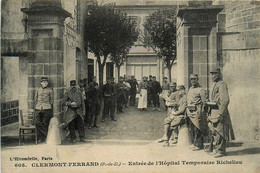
160, 35
127, 36
104, 26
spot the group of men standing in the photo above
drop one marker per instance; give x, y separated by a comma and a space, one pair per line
149, 91
194, 109
203, 116
83, 104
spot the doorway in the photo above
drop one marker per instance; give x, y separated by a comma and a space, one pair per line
109, 69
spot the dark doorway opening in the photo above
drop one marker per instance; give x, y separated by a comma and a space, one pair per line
110, 69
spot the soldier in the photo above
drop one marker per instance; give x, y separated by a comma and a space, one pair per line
172, 97
86, 120
196, 97
165, 90
176, 117
94, 99
120, 88
74, 116
173, 89
108, 93
43, 109
218, 115
134, 86
114, 97
155, 91
172, 103
149, 96
127, 90
82, 88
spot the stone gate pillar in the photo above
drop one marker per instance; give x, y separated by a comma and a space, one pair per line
45, 44
196, 43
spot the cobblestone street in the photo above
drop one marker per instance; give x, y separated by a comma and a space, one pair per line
131, 125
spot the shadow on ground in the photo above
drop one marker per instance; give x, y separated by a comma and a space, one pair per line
234, 144
246, 151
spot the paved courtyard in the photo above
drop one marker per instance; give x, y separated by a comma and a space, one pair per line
127, 145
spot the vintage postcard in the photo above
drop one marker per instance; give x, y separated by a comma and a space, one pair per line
130, 86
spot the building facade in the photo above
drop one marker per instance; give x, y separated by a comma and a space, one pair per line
39, 38
140, 61
226, 34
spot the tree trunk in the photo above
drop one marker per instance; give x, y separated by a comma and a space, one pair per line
169, 73
118, 72
100, 74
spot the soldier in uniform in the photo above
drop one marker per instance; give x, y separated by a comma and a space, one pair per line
176, 118
172, 104
95, 105
127, 90
196, 97
86, 120
108, 93
74, 115
134, 85
173, 89
149, 89
43, 109
114, 97
172, 98
155, 91
218, 115
165, 90
120, 89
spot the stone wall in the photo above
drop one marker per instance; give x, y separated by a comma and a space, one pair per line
239, 55
39, 40
196, 43
75, 56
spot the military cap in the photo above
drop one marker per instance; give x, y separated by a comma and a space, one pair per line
165, 78
173, 84
192, 76
81, 81
44, 79
181, 87
72, 82
215, 70
150, 76
121, 77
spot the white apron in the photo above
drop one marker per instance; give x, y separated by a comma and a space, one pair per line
142, 102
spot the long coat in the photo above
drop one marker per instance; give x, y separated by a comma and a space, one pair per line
195, 98
70, 113
219, 95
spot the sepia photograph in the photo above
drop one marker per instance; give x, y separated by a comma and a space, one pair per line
129, 86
